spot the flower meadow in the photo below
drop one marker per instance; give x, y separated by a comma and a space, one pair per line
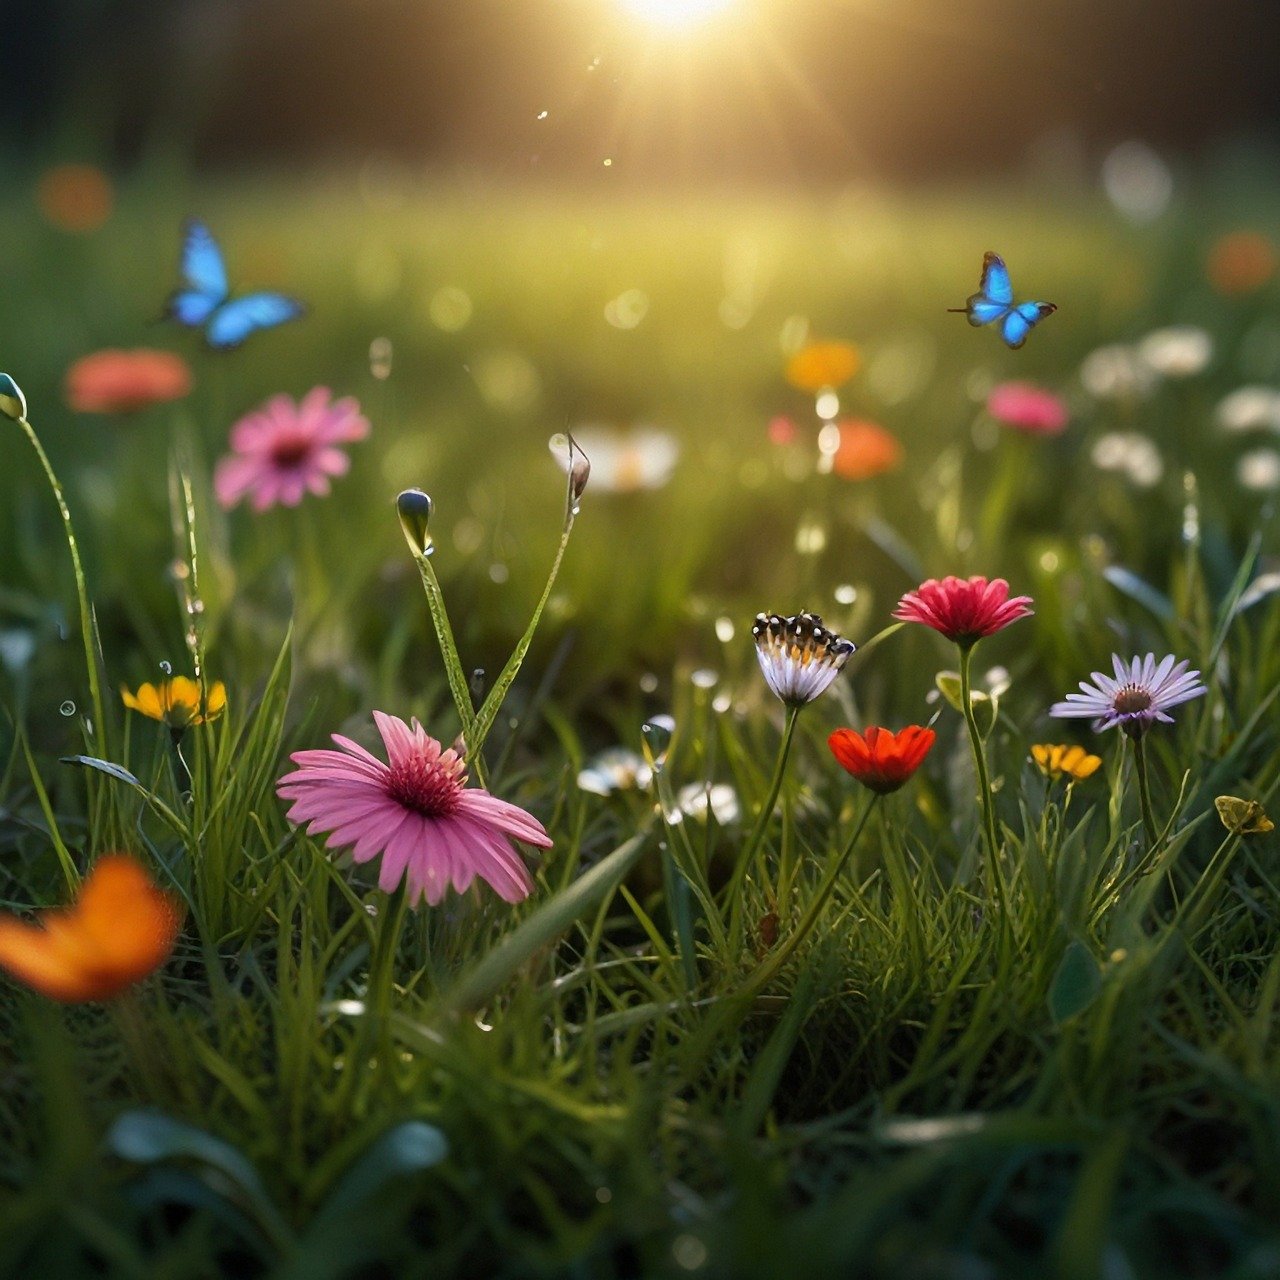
659, 752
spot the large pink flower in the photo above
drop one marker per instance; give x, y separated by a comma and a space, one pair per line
963, 610
1028, 408
415, 811
283, 449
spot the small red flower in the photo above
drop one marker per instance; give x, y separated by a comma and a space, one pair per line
126, 381
879, 758
963, 611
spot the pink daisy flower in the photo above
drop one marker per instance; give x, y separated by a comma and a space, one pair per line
416, 811
1028, 408
963, 611
283, 449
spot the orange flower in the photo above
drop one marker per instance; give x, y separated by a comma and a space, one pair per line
1241, 262
865, 450
823, 364
879, 758
75, 197
126, 381
119, 929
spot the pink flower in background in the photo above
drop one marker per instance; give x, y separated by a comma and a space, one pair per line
283, 450
1028, 408
416, 811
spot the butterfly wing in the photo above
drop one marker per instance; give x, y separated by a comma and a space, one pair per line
981, 310
1022, 319
205, 273
995, 284
994, 298
234, 321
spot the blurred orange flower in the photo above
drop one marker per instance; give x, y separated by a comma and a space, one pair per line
179, 702
1241, 262
75, 197
823, 364
126, 381
865, 450
120, 927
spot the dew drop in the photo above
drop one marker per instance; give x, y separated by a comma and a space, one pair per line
180, 571
167, 667
648, 683
68, 708
498, 572
725, 630
721, 703
704, 678
542, 115
846, 593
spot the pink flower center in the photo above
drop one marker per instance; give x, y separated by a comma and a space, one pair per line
1132, 699
290, 449
425, 786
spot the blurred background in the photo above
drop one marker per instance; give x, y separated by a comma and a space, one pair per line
685, 91
628, 218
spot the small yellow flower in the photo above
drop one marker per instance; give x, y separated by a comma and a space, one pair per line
1243, 817
1059, 761
823, 364
177, 702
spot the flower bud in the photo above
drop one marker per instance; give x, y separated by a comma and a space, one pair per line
13, 404
414, 509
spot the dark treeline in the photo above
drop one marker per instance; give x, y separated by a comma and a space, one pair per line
791, 89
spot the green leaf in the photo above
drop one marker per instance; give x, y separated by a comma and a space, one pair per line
543, 927
116, 771
1076, 984
407, 1148
1128, 583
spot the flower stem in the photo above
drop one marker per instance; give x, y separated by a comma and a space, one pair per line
82, 592
748, 854
489, 709
777, 958
377, 1000
984, 782
1144, 792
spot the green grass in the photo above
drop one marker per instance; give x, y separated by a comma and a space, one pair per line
599, 1082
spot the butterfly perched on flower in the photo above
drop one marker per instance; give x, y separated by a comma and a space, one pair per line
994, 302
205, 301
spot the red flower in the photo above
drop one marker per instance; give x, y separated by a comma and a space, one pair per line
963, 611
126, 381
880, 759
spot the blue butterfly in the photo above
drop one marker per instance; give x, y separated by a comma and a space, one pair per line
206, 301
994, 301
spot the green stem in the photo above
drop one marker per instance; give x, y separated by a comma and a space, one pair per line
780, 955
82, 593
377, 998
766, 812
984, 782
1144, 791
488, 712
459, 686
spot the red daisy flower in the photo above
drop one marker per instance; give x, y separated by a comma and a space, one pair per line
963, 611
879, 758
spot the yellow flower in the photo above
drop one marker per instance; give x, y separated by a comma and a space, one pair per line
1073, 762
823, 364
1243, 817
177, 702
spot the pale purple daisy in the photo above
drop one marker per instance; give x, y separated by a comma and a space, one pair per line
283, 450
416, 811
1141, 693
